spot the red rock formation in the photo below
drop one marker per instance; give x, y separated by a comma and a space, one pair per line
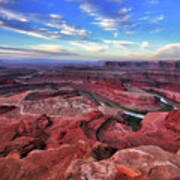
144, 162
66, 123
50, 163
118, 135
173, 121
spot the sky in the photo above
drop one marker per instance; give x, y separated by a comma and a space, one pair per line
90, 29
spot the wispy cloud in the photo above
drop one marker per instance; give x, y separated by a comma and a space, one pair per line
7, 14
56, 16
129, 32
90, 46
108, 19
144, 18
25, 28
124, 10
119, 44
152, 24
48, 26
115, 34
114, 17
67, 29
40, 51
158, 19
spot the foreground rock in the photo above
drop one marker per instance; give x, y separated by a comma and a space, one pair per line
141, 163
48, 164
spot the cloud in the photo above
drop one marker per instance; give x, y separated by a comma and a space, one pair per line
158, 19
115, 34
25, 28
105, 17
111, 24
36, 51
151, 24
90, 46
91, 9
56, 16
19, 22
119, 44
49, 48
126, 44
68, 29
129, 32
152, 20
144, 45
169, 51
115, 15
7, 14
124, 10
108, 24
145, 18
60, 25
46, 26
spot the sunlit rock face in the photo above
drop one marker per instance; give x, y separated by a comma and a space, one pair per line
116, 121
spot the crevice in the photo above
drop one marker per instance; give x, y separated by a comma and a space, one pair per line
102, 152
6, 109
30, 147
133, 122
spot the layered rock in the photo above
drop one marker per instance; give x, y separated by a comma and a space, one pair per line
140, 65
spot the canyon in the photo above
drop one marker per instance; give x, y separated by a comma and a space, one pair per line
105, 121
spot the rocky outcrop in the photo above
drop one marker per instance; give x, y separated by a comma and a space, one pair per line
144, 162
173, 121
47, 164
154, 130
24, 137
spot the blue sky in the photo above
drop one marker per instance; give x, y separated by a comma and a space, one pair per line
90, 29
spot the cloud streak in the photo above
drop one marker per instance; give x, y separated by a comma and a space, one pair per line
25, 28
119, 44
40, 51
90, 46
